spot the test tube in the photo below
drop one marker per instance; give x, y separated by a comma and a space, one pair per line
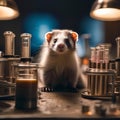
93, 57
106, 58
106, 54
91, 65
98, 57
97, 77
105, 48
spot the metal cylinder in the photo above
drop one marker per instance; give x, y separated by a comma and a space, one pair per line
101, 82
117, 66
3, 62
118, 47
9, 43
2, 65
117, 63
26, 43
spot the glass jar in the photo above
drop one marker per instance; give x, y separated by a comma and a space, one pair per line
26, 86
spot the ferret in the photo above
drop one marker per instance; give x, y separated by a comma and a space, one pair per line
60, 60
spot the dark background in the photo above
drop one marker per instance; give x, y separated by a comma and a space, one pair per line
68, 13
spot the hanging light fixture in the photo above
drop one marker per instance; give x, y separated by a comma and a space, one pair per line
8, 10
106, 10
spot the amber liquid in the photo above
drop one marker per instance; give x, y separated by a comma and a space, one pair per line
26, 94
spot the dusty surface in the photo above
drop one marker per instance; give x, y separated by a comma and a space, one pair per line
55, 105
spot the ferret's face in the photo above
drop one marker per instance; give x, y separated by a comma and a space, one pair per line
61, 41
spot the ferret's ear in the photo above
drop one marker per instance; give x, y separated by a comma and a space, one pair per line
74, 36
48, 36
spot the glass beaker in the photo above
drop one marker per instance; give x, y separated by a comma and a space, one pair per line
26, 86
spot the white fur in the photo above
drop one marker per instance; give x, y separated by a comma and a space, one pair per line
56, 64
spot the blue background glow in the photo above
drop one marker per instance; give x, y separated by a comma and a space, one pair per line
38, 25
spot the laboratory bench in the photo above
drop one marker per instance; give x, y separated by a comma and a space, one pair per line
62, 106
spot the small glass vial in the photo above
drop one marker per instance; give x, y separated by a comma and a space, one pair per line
93, 58
98, 57
26, 86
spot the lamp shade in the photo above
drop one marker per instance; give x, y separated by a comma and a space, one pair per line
106, 10
8, 10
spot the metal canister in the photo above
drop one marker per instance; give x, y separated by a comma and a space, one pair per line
117, 66
118, 46
26, 43
102, 82
9, 43
3, 62
117, 63
2, 66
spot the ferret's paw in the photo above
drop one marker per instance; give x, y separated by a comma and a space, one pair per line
46, 89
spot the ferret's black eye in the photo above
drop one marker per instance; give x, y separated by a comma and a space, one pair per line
55, 40
68, 43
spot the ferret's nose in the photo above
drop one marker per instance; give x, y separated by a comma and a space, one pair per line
61, 46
